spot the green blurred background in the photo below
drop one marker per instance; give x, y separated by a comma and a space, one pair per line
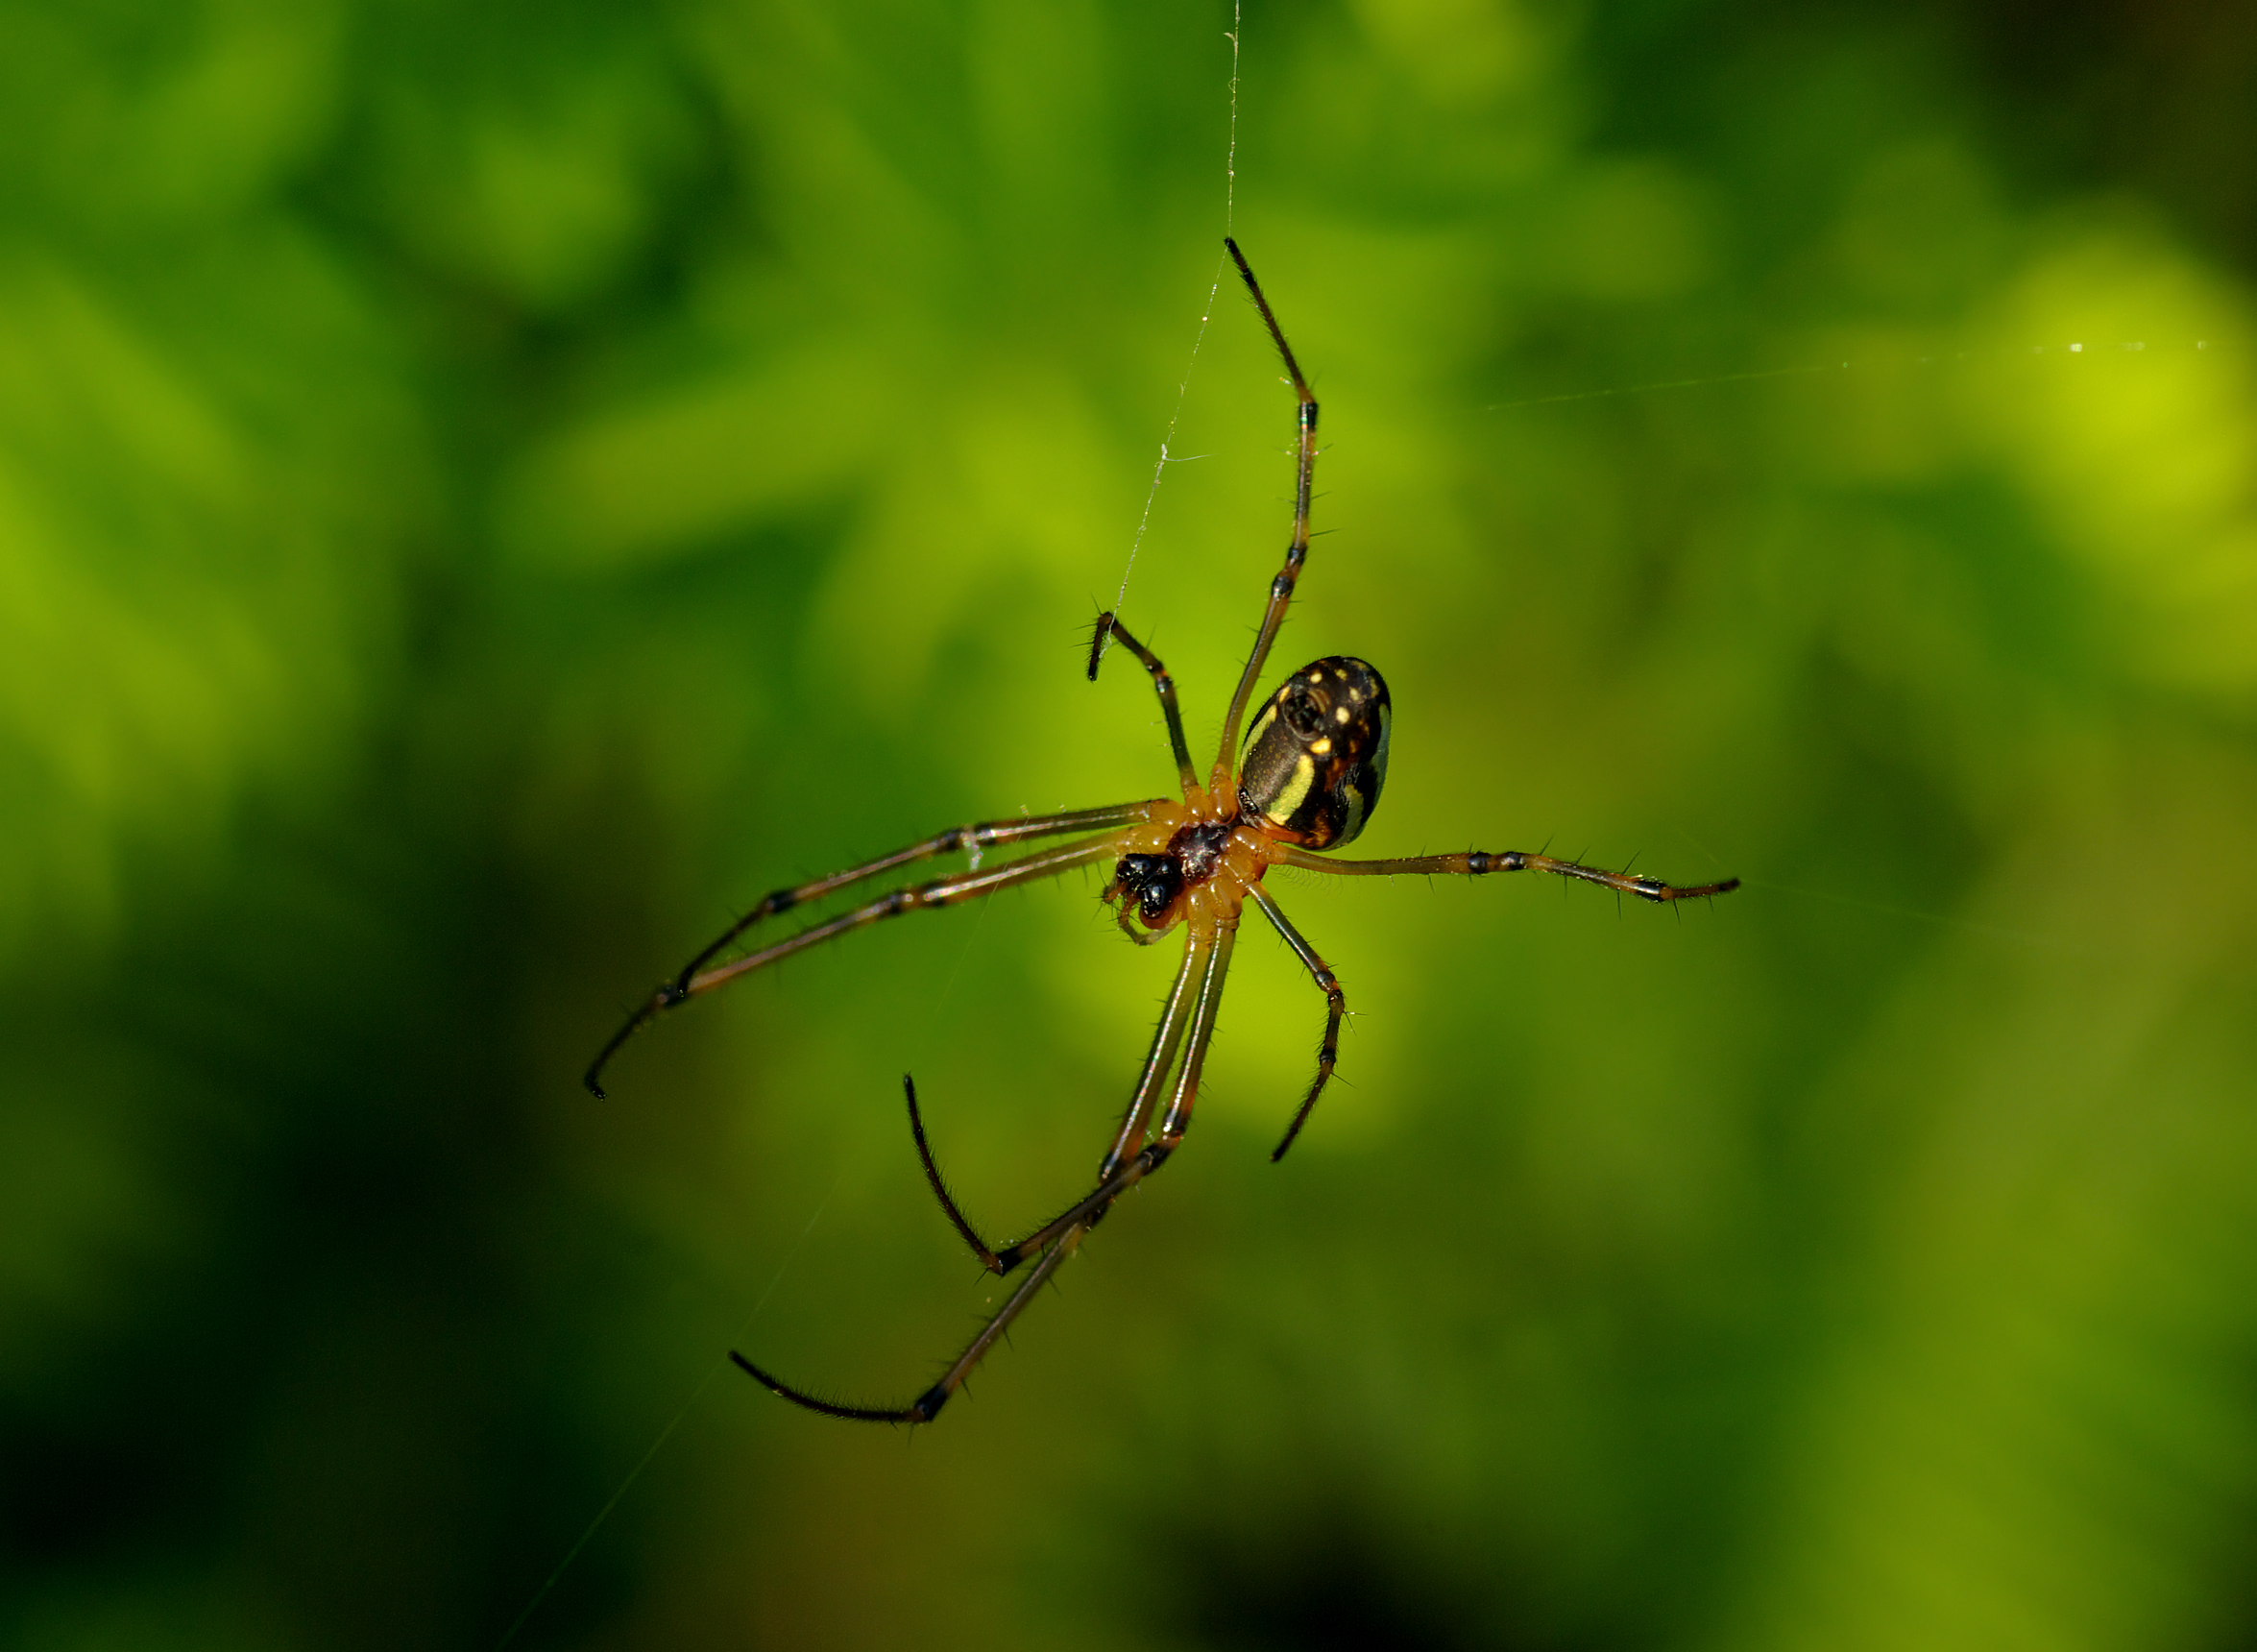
486, 491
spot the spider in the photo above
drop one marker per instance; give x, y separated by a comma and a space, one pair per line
1315, 762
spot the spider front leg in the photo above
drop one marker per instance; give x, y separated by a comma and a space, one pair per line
1063, 1236
695, 978
1167, 1039
1335, 1007
1479, 862
1121, 1170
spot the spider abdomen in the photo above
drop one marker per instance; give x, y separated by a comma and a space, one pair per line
1316, 756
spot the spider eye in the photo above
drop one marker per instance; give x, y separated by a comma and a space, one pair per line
1316, 756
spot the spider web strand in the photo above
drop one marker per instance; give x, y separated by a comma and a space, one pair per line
1214, 289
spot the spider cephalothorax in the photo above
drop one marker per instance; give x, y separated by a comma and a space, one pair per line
1315, 760
1186, 862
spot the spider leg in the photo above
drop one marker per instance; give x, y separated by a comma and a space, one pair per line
1064, 1236
926, 1405
1297, 550
1335, 1007
1166, 1039
695, 978
948, 1204
1480, 862
1107, 627
1120, 1175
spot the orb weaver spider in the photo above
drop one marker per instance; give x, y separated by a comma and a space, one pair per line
1315, 761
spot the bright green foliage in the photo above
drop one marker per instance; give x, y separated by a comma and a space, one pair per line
485, 492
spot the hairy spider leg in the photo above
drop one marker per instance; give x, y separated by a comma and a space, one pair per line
1335, 1007
926, 1405
955, 1212
1087, 1211
1166, 1040
978, 836
945, 891
695, 978
1062, 1236
1479, 862
1295, 552
1109, 625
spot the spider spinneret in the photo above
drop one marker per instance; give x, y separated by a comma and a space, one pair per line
1311, 773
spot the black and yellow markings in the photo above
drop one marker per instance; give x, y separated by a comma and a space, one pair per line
1316, 756
1294, 792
